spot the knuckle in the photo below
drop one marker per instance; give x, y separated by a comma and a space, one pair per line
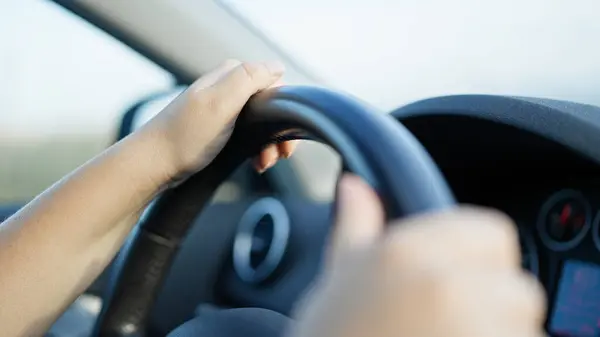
501, 228
409, 243
250, 70
255, 72
230, 63
460, 236
496, 231
400, 251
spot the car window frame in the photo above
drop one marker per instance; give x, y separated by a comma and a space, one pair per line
281, 179
181, 77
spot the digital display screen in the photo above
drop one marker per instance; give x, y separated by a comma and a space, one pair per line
577, 307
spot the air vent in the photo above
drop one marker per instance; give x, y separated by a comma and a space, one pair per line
261, 240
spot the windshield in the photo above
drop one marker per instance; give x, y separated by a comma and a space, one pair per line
394, 52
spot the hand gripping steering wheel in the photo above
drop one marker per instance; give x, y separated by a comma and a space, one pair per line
372, 145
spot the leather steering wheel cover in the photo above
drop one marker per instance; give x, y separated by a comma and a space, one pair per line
373, 145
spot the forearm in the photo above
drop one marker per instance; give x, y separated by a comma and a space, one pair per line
53, 248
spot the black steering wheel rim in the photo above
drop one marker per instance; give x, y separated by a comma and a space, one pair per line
373, 145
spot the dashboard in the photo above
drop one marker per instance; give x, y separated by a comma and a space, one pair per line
535, 160
560, 245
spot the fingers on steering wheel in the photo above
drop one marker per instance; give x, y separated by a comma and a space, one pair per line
287, 148
269, 156
359, 219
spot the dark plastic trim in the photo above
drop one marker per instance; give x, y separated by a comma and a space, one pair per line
181, 76
243, 240
573, 125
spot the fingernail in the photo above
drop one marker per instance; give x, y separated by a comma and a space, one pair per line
288, 148
270, 163
262, 168
275, 67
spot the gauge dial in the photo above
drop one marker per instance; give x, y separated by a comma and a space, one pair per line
564, 220
529, 253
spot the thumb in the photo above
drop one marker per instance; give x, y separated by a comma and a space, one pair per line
359, 219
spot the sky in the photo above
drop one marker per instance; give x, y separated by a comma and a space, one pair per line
391, 52
60, 75
57, 76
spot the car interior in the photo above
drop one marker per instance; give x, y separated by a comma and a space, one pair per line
257, 240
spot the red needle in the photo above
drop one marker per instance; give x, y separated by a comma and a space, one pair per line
565, 214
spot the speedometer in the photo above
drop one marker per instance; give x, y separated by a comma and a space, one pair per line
564, 220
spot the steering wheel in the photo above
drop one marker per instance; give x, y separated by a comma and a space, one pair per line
372, 145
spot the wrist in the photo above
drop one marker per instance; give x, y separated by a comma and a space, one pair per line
156, 154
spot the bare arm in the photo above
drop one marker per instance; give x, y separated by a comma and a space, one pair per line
53, 248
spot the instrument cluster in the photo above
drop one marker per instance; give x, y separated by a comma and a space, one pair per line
568, 232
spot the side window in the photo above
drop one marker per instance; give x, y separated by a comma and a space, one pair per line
63, 89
